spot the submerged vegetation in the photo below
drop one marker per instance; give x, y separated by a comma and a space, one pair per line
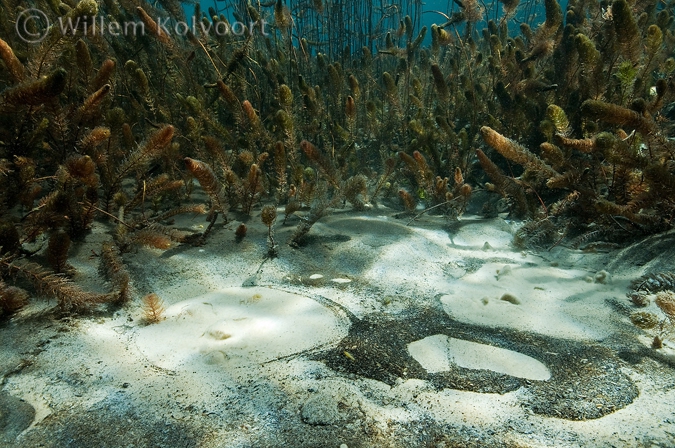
661, 288
567, 124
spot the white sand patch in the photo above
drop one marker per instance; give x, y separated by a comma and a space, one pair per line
238, 326
438, 352
496, 233
458, 407
410, 260
552, 301
461, 407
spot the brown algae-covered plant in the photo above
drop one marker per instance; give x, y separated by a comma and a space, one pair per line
268, 215
153, 308
569, 122
657, 287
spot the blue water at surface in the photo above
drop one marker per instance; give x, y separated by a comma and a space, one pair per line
433, 12
429, 14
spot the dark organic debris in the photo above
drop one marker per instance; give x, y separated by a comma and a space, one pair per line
586, 381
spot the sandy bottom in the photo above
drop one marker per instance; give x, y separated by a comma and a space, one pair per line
238, 327
439, 353
372, 333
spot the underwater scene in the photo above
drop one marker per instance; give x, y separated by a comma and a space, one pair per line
337, 223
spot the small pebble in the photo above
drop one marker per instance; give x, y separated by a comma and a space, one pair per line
602, 277
341, 280
510, 298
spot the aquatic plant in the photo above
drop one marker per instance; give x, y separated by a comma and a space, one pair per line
655, 282
112, 267
153, 308
644, 320
661, 288
68, 295
57, 252
268, 215
568, 121
12, 299
240, 232
665, 301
